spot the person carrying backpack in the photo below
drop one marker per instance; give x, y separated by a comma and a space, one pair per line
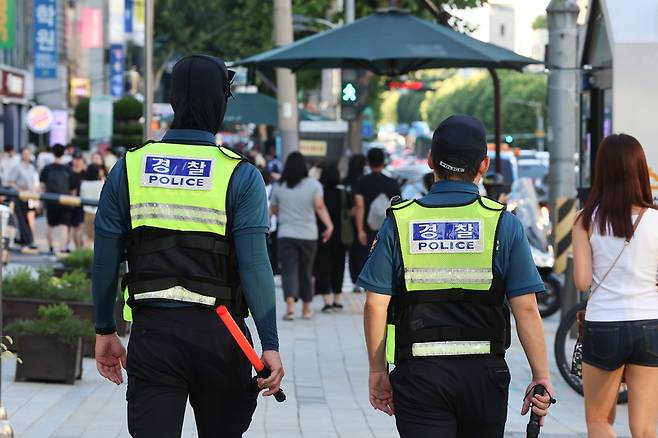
58, 178
372, 195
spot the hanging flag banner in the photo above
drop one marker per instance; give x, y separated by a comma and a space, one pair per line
117, 70
6, 24
91, 28
59, 128
45, 39
100, 118
128, 17
139, 22
117, 22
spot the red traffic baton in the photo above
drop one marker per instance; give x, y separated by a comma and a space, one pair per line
261, 370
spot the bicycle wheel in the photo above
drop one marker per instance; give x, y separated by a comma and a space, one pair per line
565, 340
549, 301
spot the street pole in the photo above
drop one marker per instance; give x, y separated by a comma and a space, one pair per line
563, 113
148, 69
353, 126
6, 430
541, 135
285, 81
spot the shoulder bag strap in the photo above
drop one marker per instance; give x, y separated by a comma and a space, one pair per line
626, 243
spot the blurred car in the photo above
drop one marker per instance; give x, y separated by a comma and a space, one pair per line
537, 172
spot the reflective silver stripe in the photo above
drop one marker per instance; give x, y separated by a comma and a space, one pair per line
450, 348
190, 213
448, 275
177, 293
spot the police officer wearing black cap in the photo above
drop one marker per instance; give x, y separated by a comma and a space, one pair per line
441, 277
190, 218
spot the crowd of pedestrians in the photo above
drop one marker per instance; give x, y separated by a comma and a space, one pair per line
320, 223
60, 170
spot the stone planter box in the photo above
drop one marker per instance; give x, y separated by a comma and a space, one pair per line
14, 308
48, 359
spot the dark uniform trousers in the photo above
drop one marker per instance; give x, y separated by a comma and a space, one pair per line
174, 353
451, 397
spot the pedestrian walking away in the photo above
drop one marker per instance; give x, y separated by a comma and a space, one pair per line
24, 177
191, 219
438, 280
372, 195
296, 201
615, 250
330, 258
357, 252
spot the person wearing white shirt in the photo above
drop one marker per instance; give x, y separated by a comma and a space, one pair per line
615, 250
8, 161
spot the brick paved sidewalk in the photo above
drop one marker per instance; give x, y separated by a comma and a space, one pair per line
326, 385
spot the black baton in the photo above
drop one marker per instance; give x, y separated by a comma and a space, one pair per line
532, 430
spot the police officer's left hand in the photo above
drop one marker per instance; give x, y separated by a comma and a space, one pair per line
381, 392
272, 360
540, 403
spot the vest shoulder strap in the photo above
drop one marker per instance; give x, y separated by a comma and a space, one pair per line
402, 204
231, 153
491, 204
134, 148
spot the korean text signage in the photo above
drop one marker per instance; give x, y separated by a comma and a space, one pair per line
117, 70
177, 173
39, 119
449, 236
45, 39
100, 118
6, 24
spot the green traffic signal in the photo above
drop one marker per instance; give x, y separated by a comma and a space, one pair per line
349, 93
509, 139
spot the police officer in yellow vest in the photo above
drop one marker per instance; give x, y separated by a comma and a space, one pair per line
439, 277
190, 218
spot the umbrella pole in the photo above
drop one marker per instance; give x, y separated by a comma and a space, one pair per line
497, 124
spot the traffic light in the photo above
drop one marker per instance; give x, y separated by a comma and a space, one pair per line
509, 139
349, 94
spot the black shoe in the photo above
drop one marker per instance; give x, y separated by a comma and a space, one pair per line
337, 306
328, 308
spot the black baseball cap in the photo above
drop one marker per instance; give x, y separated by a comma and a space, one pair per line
459, 144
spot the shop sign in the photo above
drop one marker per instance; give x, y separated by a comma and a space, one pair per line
6, 24
13, 84
45, 39
39, 119
80, 87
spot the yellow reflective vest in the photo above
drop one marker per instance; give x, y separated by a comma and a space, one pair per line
451, 300
179, 249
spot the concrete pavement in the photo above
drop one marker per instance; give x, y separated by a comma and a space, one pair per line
326, 385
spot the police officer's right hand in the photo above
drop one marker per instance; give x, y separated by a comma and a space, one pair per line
272, 360
381, 392
110, 357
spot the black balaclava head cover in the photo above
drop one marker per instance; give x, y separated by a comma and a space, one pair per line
200, 88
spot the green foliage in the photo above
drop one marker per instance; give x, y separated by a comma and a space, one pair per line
81, 112
127, 109
129, 128
79, 259
4, 349
408, 109
23, 282
54, 320
389, 107
541, 22
474, 96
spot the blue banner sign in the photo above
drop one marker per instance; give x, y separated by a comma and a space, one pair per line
44, 32
450, 236
117, 70
177, 172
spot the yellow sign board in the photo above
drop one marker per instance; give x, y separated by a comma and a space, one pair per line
313, 148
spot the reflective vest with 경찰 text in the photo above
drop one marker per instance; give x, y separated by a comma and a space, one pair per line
451, 301
179, 248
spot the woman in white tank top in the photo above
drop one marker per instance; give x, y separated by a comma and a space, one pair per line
615, 248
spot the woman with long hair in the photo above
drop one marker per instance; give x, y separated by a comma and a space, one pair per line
330, 258
296, 201
615, 248
357, 252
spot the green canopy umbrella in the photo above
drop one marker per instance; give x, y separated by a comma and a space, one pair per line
393, 42
389, 42
258, 108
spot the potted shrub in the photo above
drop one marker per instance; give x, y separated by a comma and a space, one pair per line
80, 259
24, 290
50, 347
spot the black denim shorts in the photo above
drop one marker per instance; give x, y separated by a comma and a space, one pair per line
609, 345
